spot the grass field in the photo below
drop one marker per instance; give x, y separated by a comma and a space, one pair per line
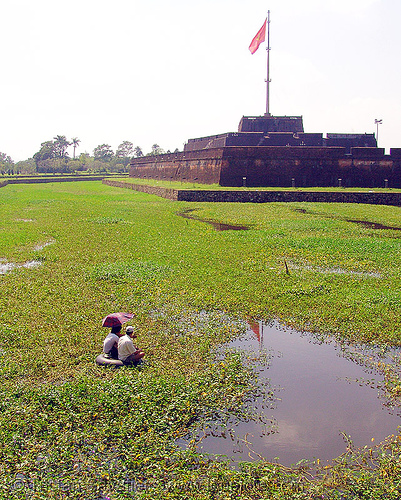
70, 429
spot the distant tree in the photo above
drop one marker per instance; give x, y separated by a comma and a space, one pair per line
60, 146
85, 160
103, 152
45, 152
138, 152
75, 143
117, 167
125, 150
6, 163
52, 156
176, 150
26, 166
156, 150
98, 166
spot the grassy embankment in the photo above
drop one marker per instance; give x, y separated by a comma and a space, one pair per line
70, 428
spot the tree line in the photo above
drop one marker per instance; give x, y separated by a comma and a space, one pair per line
53, 156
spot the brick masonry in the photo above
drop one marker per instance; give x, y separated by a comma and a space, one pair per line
278, 166
263, 196
193, 166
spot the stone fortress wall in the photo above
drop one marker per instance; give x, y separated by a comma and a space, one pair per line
275, 151
276, 166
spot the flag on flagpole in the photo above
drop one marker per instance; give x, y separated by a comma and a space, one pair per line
258, 39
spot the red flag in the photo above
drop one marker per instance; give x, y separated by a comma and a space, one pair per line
259, 38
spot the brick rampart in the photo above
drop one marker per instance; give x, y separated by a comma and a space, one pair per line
276, 166
263, 196
194, 166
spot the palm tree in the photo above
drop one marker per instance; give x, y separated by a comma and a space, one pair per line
75, 143
60, 146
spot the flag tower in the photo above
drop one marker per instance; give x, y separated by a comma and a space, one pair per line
253, 47
268, 65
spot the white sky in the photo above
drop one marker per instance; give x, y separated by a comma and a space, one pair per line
152, 71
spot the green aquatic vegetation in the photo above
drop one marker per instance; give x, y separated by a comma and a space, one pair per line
183, 322
65, 425
69, 426
126, 271
107, 220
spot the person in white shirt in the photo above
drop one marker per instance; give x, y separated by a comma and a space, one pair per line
111, 341
127, 352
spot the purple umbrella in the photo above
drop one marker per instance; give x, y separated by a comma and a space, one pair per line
116, 319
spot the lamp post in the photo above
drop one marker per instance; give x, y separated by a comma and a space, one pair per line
377, 123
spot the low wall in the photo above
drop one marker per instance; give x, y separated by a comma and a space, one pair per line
290, 196
262, 196
171, 194
70, 178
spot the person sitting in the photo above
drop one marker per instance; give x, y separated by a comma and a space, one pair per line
111, 341
127, 352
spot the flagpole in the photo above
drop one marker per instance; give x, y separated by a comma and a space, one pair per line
268, 64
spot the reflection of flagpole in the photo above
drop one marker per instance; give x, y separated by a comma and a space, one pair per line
268, 64
255, 328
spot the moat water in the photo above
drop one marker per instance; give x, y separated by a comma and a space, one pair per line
218, 226
322, 390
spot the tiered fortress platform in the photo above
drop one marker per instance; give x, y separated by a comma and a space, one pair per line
275, 151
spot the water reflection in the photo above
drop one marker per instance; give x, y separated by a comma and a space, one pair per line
41, 246
365, 223
218, 226
335, 270
6, 267
321, 394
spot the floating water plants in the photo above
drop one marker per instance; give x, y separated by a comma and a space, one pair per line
69, 428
